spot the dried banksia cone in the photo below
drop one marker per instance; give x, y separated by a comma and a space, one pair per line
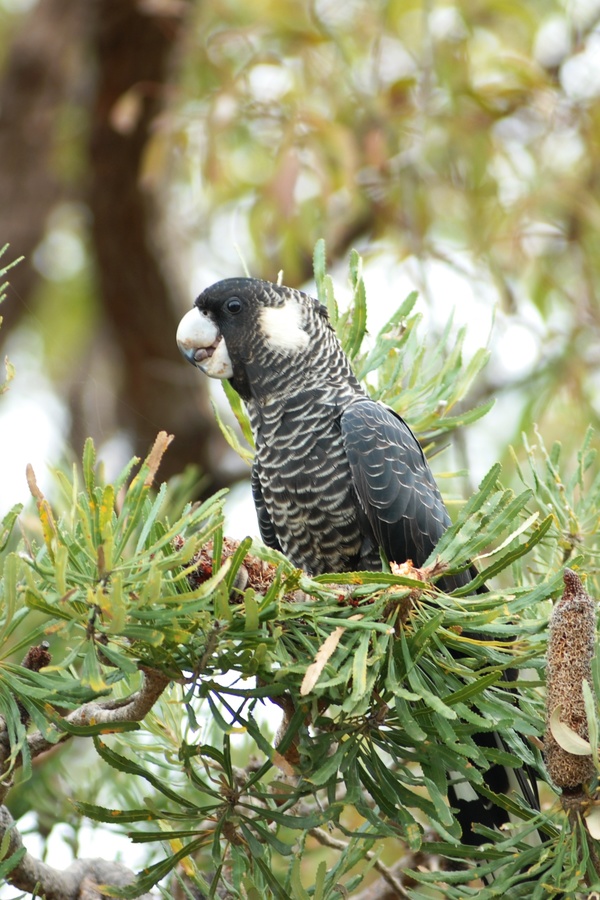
35, 659
569, 658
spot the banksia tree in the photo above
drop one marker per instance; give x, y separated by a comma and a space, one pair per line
164, 644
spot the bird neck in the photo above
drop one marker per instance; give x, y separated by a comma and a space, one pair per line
298, 386
323, 366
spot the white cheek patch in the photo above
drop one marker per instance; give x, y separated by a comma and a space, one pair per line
282, 327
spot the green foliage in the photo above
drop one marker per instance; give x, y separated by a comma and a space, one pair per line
425, 383
384, 681
571, 500
106, 566
392, 711
436, 141
412, 376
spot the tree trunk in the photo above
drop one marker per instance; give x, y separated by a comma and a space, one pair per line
141, 384
134, 50
42, 65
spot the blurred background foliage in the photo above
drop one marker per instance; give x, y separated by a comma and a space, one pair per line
147, 145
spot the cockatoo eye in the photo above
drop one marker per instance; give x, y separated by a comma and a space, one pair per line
234, 305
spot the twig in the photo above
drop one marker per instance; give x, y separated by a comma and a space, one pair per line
109, 712
387, 875
103, 712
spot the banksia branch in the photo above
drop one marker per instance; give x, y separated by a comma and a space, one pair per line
570, 651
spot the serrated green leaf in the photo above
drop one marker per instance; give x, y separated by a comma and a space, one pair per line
271, 880
237, 560
591, 712
113, 816
91, 674
240, 414
471, 690
320, 881
219, 720
90, 730
9, 864
144, 633
150, 518
508, 558
150, 876
123, 764
89, 466
251, 623
231, 437
269, 838
7, 524
359, 667
296, 883
329, 768
320, 269
358, 311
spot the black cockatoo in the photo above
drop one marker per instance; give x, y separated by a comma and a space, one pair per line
338, 478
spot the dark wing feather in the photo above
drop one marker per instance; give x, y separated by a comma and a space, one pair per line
265, 525
395, 485
407, 514
393, 481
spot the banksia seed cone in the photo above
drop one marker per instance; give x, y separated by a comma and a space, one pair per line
569, 658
